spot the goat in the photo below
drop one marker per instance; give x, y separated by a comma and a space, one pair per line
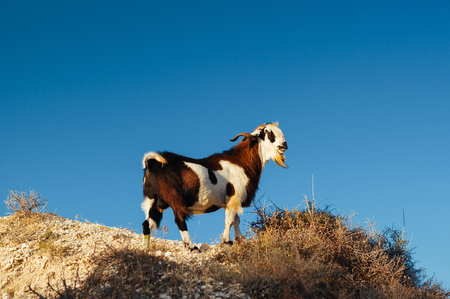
196, 186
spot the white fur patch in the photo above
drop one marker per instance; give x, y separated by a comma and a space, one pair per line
146, 205
215, 194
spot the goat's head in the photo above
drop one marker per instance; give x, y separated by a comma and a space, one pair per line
272, 144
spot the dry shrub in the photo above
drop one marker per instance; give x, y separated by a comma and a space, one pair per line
316, 254
20, 202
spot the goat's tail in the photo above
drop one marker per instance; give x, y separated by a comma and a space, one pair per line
154, 156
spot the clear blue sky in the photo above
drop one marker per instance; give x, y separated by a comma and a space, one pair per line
361, 91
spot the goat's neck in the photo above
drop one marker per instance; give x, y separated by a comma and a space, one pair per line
264, 154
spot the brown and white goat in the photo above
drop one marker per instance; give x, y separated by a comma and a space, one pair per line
195, 186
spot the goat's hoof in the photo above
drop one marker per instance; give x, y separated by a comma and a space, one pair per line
228, 243
191, 249
146, 244
195, 250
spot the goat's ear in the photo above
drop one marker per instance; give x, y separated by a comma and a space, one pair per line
270, 135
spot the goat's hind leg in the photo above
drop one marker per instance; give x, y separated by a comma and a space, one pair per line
152, 220
188, 243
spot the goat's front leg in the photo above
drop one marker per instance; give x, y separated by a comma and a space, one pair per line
232, 210
231, 218
237, 230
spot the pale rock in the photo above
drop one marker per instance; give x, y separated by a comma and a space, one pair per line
7, 267
204, 247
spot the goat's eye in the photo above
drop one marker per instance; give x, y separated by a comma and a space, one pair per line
271, 136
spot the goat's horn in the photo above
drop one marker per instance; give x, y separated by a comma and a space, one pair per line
246, 135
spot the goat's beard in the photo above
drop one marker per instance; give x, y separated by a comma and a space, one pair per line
279, 159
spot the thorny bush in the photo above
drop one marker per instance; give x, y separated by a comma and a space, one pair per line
20, 202
314, 253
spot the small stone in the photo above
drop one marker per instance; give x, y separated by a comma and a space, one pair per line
204, 247
7, 267
44, 263
4, 283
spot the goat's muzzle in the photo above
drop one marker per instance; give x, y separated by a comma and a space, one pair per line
283, 147
280, 158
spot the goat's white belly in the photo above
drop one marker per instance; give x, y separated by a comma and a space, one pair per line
216, 194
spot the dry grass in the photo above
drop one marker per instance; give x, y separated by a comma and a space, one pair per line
23, 227
48, 247
316, 254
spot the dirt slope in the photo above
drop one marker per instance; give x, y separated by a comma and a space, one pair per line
60, 258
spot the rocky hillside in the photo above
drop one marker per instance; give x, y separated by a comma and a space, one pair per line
48, 256
309, 253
